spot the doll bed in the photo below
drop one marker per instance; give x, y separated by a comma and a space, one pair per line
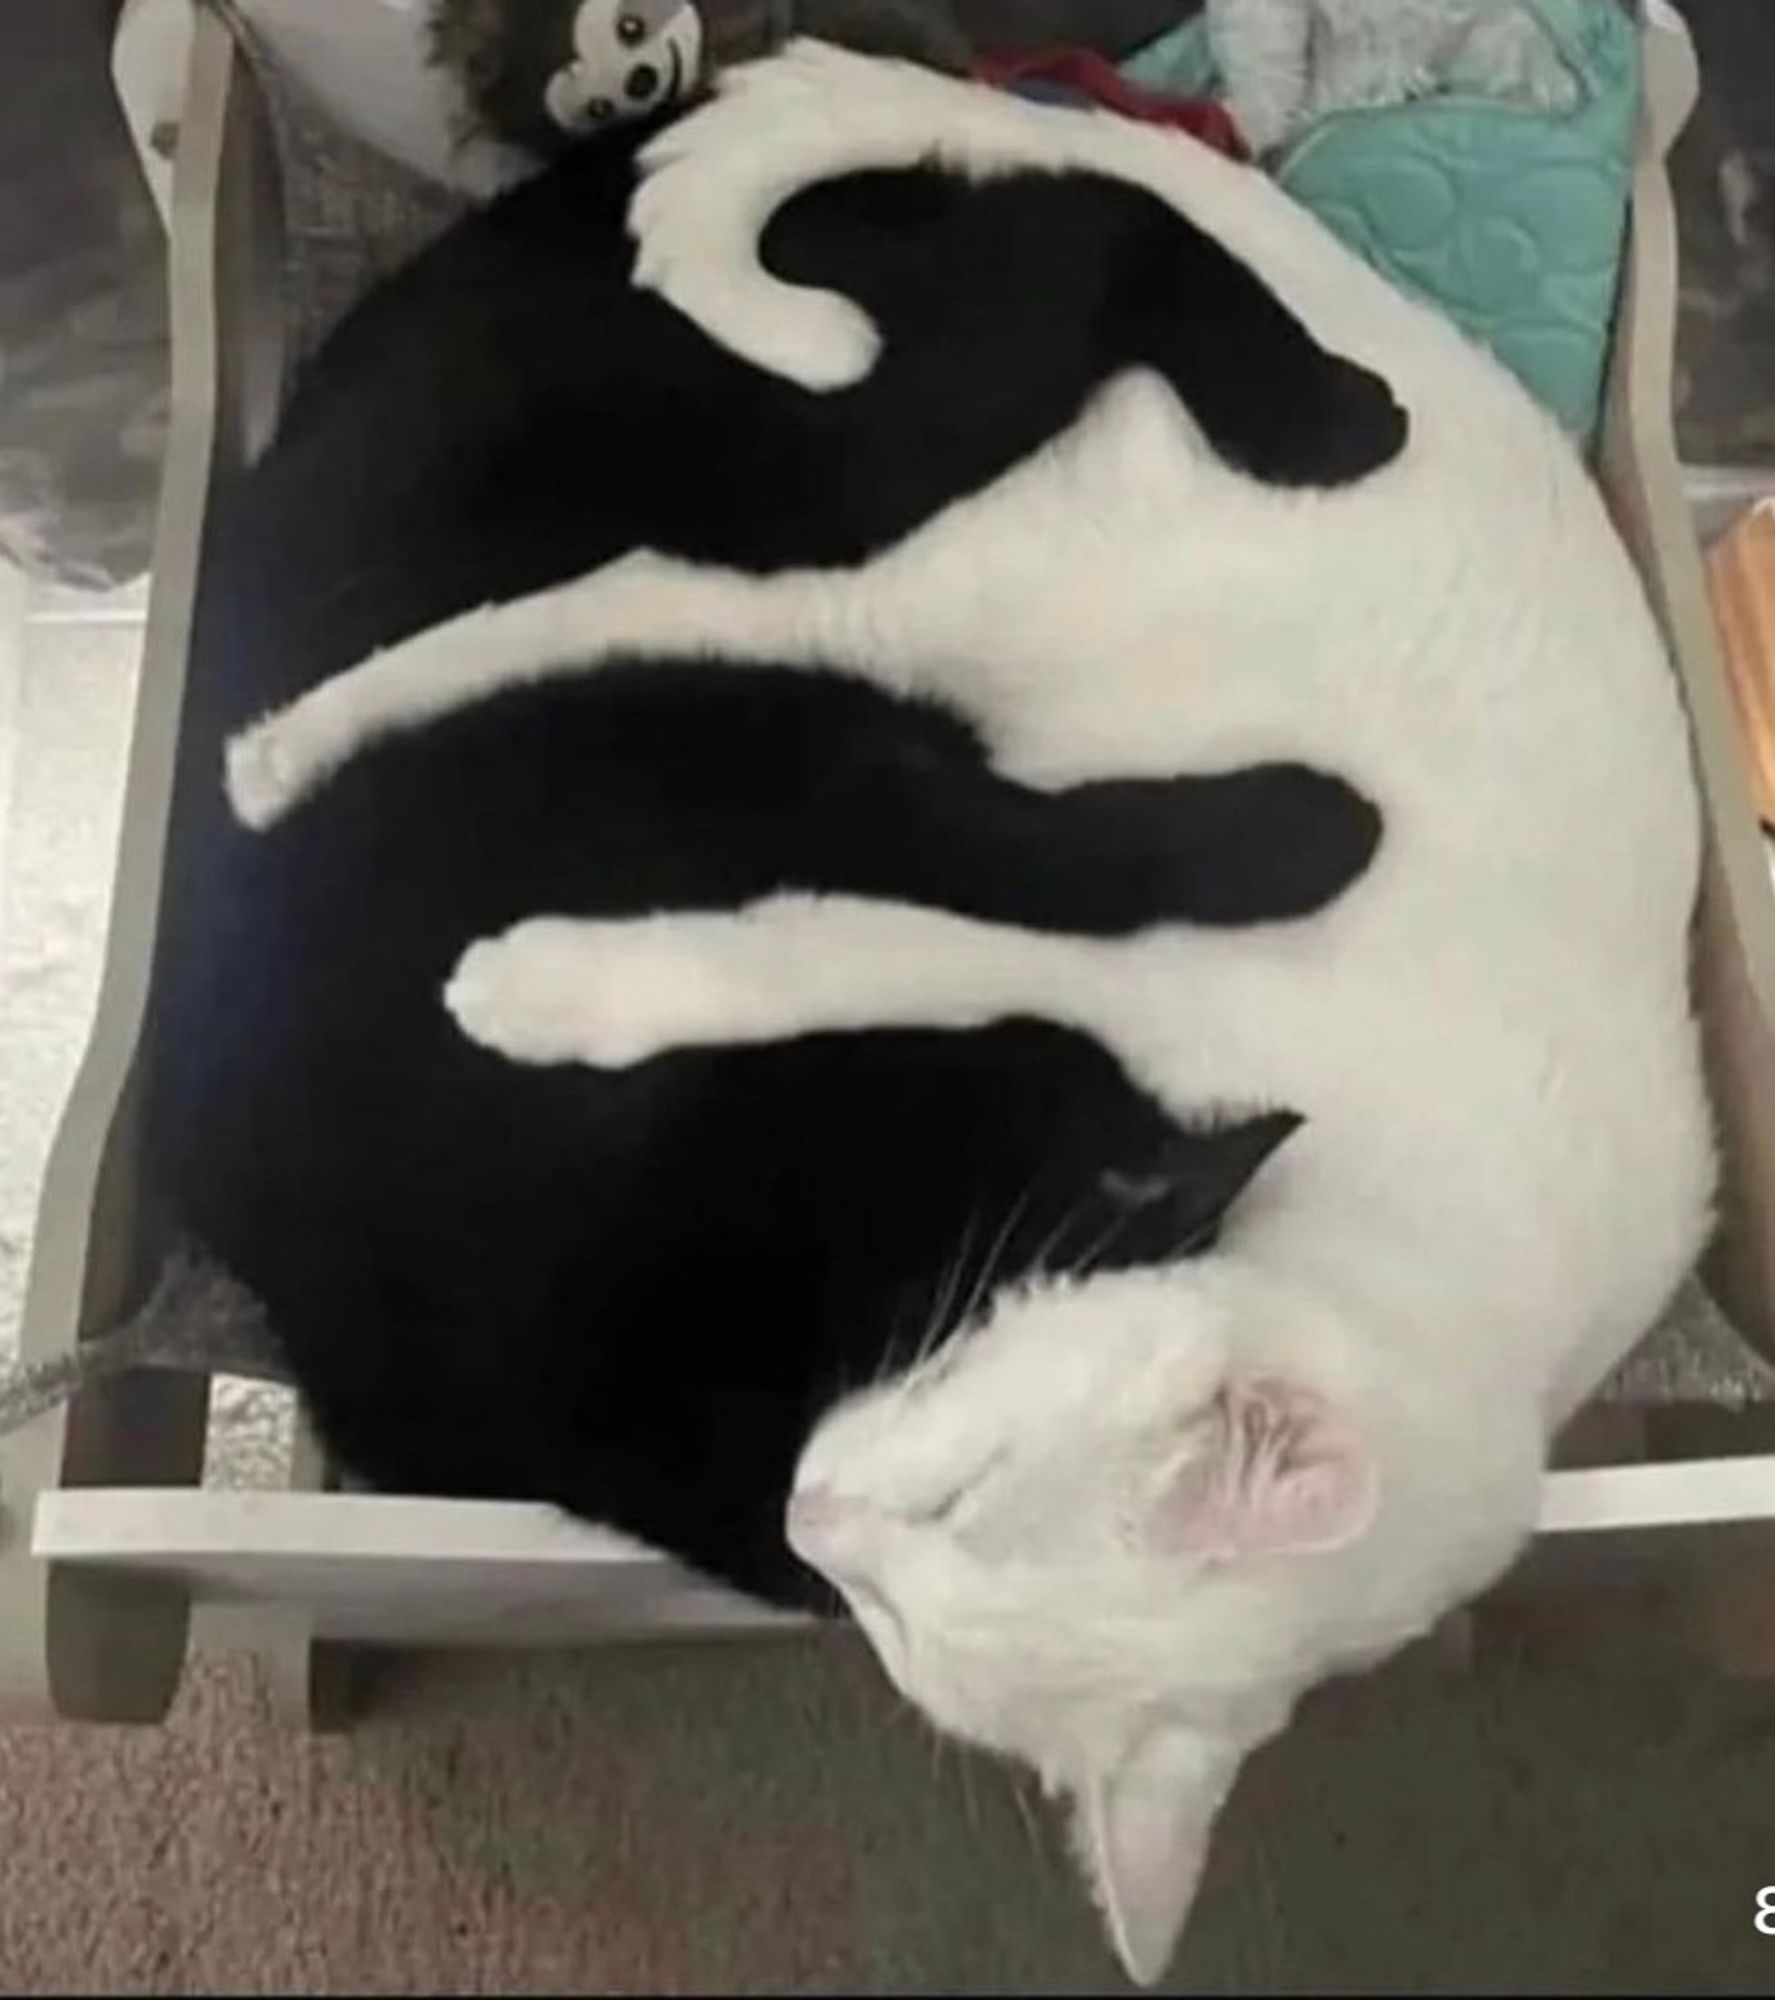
109, 1542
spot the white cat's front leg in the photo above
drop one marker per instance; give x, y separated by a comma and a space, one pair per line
613, 992
644, 606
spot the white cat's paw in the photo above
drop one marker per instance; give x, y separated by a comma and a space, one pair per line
819, 340
711, 183
267, 768
490, 998
711, 273
606, 993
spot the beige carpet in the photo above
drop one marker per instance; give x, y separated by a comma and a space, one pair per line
760, 1818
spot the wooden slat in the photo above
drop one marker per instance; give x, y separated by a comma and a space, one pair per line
375, 1569
392, 1570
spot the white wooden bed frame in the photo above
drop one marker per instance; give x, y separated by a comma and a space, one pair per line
107, 1541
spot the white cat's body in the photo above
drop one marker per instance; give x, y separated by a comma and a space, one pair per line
1506, 1165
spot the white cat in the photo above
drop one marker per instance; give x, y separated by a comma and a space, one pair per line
1119, 1528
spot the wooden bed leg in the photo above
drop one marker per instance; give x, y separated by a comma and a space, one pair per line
311, 1682
83, 1645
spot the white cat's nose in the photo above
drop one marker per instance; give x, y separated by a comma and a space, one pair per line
824, 1528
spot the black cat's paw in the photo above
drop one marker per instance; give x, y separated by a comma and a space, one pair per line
1351, 426
1287, 840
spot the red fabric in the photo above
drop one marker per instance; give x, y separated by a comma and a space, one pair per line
1094, 78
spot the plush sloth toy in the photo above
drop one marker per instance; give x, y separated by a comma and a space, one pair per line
537, 74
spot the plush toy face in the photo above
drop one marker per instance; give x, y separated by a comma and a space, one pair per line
629, 57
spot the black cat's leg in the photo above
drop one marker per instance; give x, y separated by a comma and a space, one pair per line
711, 185
1259, 845
1271, 400
1267, 843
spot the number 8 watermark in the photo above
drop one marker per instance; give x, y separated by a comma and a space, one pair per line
1765, 1917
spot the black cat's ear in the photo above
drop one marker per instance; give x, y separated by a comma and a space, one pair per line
1176, 1206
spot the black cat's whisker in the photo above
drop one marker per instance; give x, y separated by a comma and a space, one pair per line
948, 1283
889, 1361
1081, 1266
1039, 1262
944, 1318
944, 1308
890, 1348
1000, 1246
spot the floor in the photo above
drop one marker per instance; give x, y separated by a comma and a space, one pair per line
1723, 170
761, 1817
68, 664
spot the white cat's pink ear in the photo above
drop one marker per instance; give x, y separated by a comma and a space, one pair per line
1141, 1832
1271, 1470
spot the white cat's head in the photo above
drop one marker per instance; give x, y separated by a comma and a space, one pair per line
1078, 1538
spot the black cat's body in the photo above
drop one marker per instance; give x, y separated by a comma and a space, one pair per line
633, 1292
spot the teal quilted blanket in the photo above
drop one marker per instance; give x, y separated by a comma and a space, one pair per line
1510, 220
